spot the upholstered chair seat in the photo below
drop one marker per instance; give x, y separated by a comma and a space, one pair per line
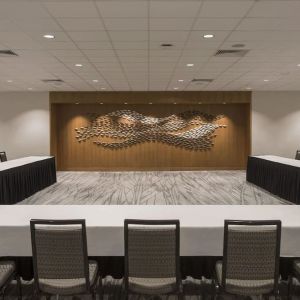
152, 257
296, 267
69, 286
155, 286
7, 274
7, 268
60, 259
245, 287
250, 265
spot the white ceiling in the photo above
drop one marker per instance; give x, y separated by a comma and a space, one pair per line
118, 44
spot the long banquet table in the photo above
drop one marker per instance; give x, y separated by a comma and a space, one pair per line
278, 175
201, 233
21, 178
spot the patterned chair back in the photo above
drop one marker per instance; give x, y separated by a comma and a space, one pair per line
3, 156
251, 250
297, 155
152, 249
59, 249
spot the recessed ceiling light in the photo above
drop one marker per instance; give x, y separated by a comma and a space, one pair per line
49, 36
208, 36
298, 65
224, 102
125, 103
9, 81
150, 102
175, 88
103, 88
266, 80
199, 102
95, 80
180, 80
174, 103
30, 89
189, 65
78, 65
77, 103
101, 103
248, 88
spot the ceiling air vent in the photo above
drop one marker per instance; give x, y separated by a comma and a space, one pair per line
231, 53
201, 80
53, 81
7, 53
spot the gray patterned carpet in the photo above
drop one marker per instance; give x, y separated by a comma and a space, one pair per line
148, 188
193, 290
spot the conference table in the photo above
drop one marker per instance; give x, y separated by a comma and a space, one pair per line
21, 178
278, 175
201, 231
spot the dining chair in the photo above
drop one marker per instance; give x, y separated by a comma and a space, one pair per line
152, 259
3, 156
60, 259
8, 273
251, 253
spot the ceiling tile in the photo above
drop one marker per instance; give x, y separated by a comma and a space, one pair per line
123, 9
72, 9
81, 24
126, 23
128, 36
216, 23
174, 9
171, 23
225, 9
88, 36
275, 9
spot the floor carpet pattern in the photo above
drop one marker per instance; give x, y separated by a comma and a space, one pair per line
153, 188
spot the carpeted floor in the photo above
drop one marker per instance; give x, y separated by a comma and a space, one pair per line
193, 290
148, 188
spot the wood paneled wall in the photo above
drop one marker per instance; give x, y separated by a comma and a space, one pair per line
232, 144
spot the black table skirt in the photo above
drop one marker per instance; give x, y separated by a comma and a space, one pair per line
21, 182
279, 179
195, 266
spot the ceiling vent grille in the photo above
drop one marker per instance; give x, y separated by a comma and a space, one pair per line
7, 53
201, 80
231, 53
53, 81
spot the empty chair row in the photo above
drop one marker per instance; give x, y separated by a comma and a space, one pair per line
250, 264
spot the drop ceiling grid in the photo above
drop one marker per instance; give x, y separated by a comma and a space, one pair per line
131, 59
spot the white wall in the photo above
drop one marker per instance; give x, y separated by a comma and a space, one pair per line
24, 123
276, 123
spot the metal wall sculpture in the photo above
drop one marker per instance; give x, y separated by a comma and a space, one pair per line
192, 130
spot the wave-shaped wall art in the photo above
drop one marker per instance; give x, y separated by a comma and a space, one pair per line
191, 130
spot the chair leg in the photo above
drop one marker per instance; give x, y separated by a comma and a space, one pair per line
19, 286
290, 288
100, 288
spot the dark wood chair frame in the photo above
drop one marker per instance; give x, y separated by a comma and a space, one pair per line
92, 289
3, 155
222, 289
175, 223
13, 276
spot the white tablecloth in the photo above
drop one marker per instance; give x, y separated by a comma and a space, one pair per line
201, 226
21, 162
282, 160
